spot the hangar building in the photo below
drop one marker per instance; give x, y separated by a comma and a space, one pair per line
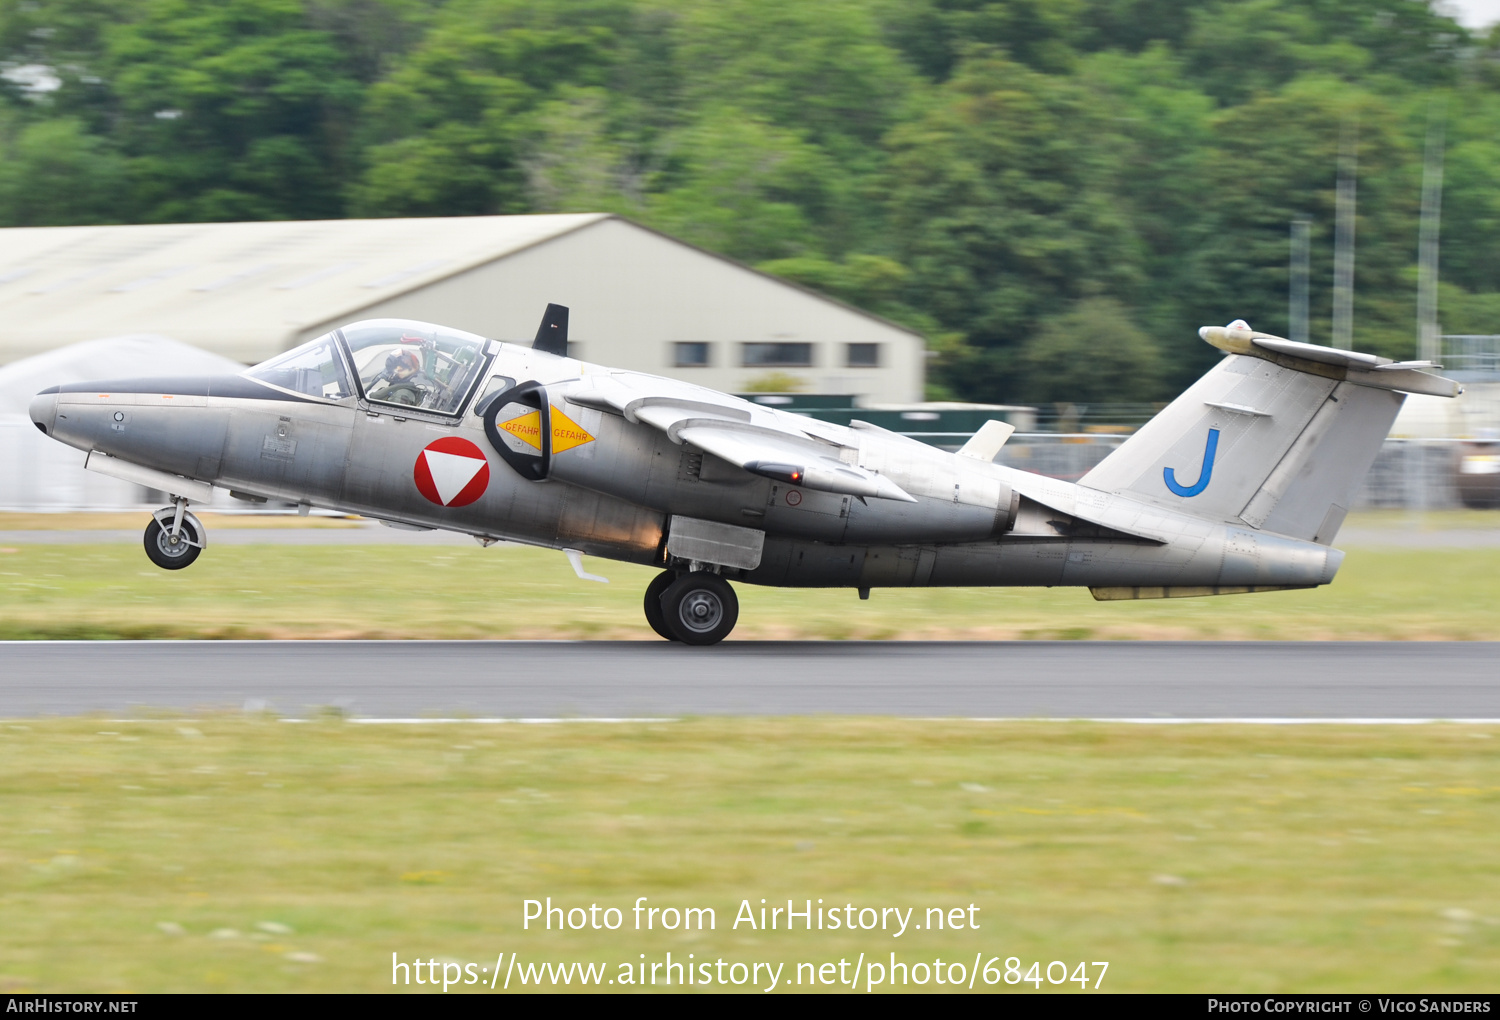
639, 299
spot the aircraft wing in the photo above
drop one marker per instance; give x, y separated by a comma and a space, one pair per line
760, 440
782, 457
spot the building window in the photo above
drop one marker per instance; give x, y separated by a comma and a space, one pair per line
690, 355
778, 355
863, 355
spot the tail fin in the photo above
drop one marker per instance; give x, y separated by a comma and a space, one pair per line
1279, 435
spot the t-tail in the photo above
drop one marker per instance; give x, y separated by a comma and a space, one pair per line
1278, 436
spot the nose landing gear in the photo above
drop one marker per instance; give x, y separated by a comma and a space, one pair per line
174, 538
697, 608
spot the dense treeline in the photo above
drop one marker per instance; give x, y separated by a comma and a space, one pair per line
1057, 192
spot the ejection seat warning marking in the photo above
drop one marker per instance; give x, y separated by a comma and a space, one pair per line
1204, 473
566, 433
451, 472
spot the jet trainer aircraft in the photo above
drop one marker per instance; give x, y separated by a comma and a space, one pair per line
1239, 485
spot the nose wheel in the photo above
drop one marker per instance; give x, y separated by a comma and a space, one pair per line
174, 538
699, 608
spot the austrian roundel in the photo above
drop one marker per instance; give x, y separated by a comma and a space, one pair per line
451, 472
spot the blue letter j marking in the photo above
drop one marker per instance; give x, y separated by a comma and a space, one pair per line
1204, 473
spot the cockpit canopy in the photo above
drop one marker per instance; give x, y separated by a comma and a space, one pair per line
396, 361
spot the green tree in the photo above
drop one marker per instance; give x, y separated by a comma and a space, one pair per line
66, 39
1275, 159
1162, 146
823, 76
54, 173
1130, 26
576, 161
446, 130
230, 111
934, 34
824, 70
740, 186
1238, 48
1471, 189
1092, 353
1006, 210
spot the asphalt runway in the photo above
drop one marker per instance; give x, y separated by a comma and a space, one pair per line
578, 679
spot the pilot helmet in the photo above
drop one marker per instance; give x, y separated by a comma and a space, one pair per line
402, 365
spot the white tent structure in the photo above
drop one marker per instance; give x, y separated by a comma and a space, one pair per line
41, 474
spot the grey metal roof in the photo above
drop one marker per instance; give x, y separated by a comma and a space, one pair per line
229, 286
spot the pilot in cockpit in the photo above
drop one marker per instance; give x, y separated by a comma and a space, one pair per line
402, 380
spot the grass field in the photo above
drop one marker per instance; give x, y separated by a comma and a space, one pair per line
247, 853
378, 591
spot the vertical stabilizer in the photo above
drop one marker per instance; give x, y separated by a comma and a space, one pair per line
1277, 436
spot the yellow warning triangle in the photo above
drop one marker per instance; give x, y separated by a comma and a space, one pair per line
566, 433
527, 428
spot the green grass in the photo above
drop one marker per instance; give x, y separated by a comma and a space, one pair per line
1425, 520
112, 591
230, 853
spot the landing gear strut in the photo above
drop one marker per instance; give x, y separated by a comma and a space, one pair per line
174, 538
699, 608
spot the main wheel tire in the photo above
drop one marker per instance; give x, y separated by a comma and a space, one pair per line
169, 554
700, 608
654, 591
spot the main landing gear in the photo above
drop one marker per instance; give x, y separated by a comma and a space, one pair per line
696, 608
174, 538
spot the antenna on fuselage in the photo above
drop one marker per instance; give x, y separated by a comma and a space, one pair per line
552, 334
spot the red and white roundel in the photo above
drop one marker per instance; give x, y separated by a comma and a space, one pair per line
452, 472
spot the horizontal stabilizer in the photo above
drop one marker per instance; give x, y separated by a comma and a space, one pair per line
1331, 363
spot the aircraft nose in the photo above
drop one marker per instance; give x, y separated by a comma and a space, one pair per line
43, 410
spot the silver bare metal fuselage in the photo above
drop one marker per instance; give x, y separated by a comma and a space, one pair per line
972, 522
